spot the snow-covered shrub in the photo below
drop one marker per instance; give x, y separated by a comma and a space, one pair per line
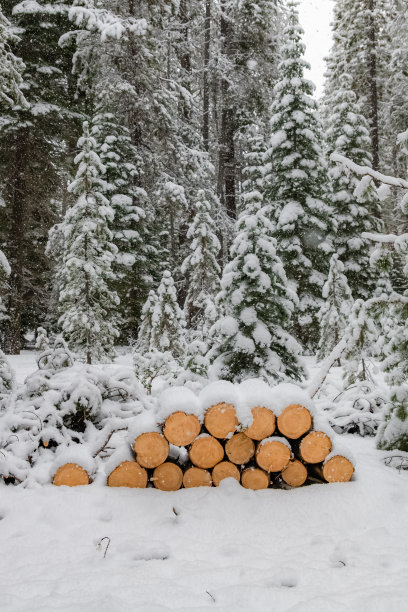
393, 434
56, 358
359, 410
78, 406
7, 380
42, 342
156, 364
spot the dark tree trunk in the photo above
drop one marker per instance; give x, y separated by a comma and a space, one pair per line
16, 247
226, 170
206, 79
374, 122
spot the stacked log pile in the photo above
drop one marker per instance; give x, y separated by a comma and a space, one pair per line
275, 442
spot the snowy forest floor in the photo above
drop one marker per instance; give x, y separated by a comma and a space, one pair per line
322, 548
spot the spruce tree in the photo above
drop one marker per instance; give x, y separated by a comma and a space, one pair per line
11, 68
348, 134
296, 183
335, 312
168, 322
136, 257
144, 339
252, 339
362, 334
88, 305
201, 268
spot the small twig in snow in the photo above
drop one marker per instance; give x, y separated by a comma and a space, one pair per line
107, 546
212, 596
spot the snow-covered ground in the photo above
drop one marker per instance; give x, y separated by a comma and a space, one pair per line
322, 548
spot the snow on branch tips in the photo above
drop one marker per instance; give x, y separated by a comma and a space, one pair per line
368, 175
109, 26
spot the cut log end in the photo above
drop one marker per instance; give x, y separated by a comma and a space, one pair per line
151, 449
167, 477
206, 452
273, 456
181, 429
295, 475
223, 470
255, 479
221, 420
315, 447
128, 474
71, 475
294, 421
196, 477
338, 469
240, 449
263, 425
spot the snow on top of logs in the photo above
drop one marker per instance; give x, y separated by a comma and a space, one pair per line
218, 392
277, 439
178, 399
253, 392
118, 456
340, 451
77, 454
145, 422
287, 394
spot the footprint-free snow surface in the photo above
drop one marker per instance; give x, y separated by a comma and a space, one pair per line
322, 548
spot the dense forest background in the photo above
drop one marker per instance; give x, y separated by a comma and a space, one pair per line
194, 110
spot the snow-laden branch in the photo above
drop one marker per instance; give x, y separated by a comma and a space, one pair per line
109, 25
367, 171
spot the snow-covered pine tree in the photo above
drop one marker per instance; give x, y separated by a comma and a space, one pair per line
136, 257
252, 338
348, 134
42, 342
88, 305
7, 378
168, 322
335, 311
201, 269
296, 183
362, 334
11, 68
144, 338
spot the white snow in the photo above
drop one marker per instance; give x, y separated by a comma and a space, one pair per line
321, 548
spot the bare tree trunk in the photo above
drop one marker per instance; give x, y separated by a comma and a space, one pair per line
226, 172
206, 80
16, 251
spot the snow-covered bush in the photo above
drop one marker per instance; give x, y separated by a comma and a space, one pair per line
42, 342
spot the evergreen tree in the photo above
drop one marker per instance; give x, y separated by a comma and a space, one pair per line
88, 305
362, 334
42, 342
144, 339
295, 184
11, 67
7, 378
201, 268
335, 312
348, 134
134, 262
252, 338
5, 272
168, 322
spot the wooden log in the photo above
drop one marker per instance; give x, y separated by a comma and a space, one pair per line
294, 421
196, 477
181, 429
206, 452
167, 477
71, 475
223, 470
128, 474
263, 425
152, 449
255, 479
315, 447
338, 469
240, 449
295, 475
221, 420
273, 455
